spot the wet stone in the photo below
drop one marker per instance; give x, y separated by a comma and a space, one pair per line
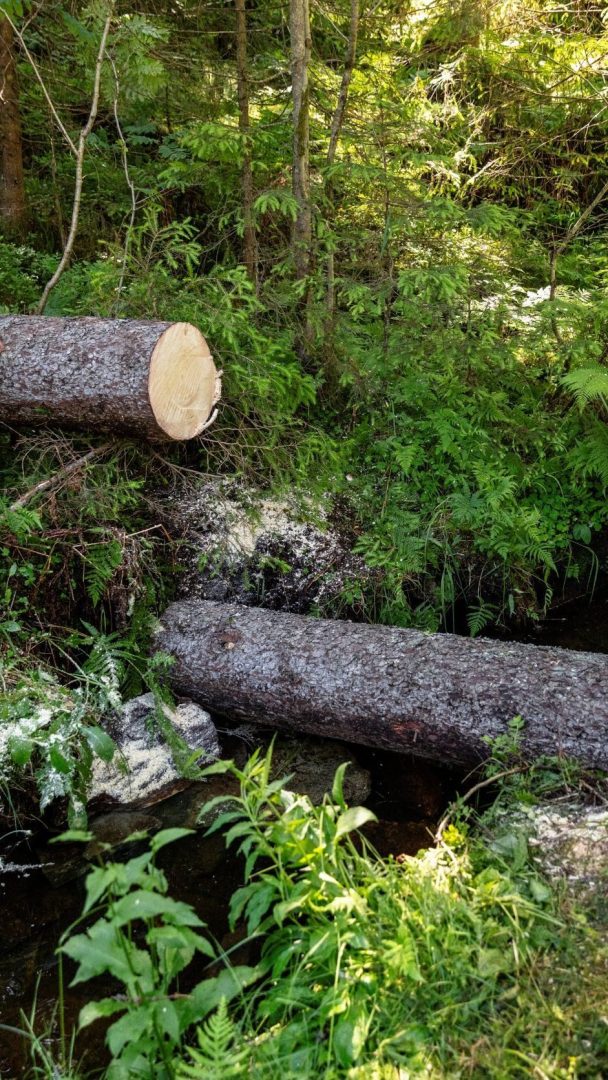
143, 770
568, 842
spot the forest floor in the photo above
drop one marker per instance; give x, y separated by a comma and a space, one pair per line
479, 956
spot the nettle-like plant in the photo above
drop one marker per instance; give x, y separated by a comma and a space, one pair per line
365, 960
144, 939
366, 966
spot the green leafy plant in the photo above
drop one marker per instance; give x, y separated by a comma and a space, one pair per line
359, 952
368, 967
145, 940
51, 733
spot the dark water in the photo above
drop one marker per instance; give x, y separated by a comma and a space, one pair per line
575, 624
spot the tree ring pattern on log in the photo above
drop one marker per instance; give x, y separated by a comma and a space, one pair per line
182, 381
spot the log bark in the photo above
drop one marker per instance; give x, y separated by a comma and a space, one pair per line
437, 696
154, 379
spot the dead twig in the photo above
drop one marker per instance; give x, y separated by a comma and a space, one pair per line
36, 71
82, 142
58, 477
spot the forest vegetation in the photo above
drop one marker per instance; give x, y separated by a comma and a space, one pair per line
414, 316
389, 221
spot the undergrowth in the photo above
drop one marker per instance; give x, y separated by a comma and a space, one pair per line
472, 452
458, 962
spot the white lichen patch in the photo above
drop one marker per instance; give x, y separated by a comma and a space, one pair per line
25, 727
233, 519
572, 842
243, 528
144, 770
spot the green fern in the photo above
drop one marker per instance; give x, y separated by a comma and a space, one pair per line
115, 660
102, 560
480, 617
218, 1056
588, 384
590, 456
19, 521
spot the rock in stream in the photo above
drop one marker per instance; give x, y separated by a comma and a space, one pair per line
143, 770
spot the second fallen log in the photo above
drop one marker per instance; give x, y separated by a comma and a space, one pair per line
138, 376
435, 695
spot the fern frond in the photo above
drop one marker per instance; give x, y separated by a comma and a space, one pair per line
102, 560
588, 384
465, 507
20, 521
218, 1056
590, 456
479, 617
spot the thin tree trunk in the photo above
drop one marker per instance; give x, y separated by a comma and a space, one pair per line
82, 144
336, 128
572, 233
250, 253
558, 249
13, 209
299, 24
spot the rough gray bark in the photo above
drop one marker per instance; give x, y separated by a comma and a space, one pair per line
435, 695
299, 29
82, 372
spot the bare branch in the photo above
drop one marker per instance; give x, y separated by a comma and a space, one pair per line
572, 233
58, 477
49, 100
347, 74
445, 821
559, 249
82, 142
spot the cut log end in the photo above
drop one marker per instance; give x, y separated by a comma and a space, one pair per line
139, 376
183, 383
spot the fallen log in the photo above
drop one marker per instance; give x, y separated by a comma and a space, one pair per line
438, 696
155, 379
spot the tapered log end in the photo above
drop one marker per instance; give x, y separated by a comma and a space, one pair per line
183, 382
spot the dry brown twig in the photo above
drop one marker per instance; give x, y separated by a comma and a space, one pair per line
58, 477
469, 795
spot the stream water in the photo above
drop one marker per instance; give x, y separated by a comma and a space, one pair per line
42, 887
